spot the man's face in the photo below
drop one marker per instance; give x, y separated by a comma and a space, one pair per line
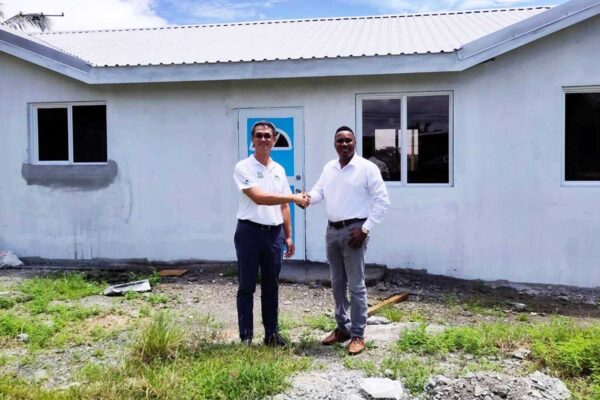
344, 144
263, 139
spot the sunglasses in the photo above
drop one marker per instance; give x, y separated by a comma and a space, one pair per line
260, 135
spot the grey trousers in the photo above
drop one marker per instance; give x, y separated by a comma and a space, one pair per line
347, 268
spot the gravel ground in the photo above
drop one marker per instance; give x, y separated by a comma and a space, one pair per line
210, 290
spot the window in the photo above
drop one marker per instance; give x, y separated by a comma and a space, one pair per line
68, 133
582, 135
419, 123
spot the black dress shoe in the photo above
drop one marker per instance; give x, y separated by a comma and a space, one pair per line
275, 340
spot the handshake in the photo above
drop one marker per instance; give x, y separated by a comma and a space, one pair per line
302, 200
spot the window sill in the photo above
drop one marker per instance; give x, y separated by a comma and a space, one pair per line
78, 176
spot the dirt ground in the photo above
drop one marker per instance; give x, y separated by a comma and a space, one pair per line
209, 289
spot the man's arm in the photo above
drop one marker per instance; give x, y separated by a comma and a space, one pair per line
287, 230
380, 202
263, 198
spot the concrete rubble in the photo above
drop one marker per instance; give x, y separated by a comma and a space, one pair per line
9, 259
496, 386
137, 286
382, 388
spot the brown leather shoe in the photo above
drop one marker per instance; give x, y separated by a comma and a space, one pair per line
357, 344
336, 336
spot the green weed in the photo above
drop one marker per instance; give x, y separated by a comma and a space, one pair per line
392, 313
157, 298
65, 287
160, 339
572, 352
6, 303
321, 321
413, 371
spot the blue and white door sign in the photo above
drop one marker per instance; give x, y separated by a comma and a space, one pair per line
288, 151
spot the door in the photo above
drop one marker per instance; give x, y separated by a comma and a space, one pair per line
288, 151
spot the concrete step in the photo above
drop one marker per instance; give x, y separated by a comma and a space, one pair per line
298, 271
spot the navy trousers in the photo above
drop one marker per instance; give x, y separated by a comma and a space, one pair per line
256, 250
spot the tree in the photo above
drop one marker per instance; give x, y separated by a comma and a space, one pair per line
22, 21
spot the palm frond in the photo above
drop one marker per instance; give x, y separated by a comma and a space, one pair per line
22, 21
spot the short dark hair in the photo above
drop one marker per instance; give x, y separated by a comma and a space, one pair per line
344, 128
263, 123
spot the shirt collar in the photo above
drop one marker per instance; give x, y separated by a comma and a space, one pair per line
352, 162
256, 162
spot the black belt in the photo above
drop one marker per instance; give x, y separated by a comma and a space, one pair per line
259, 226
345, 223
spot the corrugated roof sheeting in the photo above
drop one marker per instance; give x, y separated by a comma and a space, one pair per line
284, 40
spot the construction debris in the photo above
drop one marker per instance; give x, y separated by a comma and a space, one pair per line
9, 259
173, 272
397, 298
137, 286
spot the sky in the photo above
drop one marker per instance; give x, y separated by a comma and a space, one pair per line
115, 14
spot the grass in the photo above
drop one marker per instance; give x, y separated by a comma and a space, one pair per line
64, 287
46, 318
320, 321
161, 339
569, 351
413, 370
392, 313
157, 299
166, 362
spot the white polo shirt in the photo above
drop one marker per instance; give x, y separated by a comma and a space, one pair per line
272, 178
355, 191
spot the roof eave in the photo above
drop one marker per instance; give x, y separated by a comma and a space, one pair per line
313, 68
44, 56
527, 31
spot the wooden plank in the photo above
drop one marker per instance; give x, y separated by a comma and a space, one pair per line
173, 272
397, 298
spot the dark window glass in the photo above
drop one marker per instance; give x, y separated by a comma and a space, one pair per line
282, 142
53, 134
89, 134
428, 139
381, 139
582, 137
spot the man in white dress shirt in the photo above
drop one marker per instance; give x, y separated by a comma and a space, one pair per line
356, 200
264, 226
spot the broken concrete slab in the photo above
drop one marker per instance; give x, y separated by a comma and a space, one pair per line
137, 286
9, 259
382, 388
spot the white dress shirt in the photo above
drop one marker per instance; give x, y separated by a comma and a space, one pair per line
249, 173
355, 191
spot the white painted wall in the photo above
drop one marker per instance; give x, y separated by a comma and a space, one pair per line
507, 216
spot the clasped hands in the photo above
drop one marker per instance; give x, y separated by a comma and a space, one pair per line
302, 200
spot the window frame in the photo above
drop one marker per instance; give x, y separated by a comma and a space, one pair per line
566, 90
403, 96
34, 153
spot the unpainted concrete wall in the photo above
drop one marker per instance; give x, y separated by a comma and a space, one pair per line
506, 217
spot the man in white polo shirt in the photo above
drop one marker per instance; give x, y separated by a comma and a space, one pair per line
264, 227
356, 200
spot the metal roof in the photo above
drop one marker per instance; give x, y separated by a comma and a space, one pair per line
323, 38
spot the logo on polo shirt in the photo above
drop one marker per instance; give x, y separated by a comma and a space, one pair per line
246, 181
259, 175
277, 178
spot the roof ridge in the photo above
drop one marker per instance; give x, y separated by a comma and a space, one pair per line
299, 20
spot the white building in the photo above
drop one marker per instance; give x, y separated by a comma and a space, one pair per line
121, 144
